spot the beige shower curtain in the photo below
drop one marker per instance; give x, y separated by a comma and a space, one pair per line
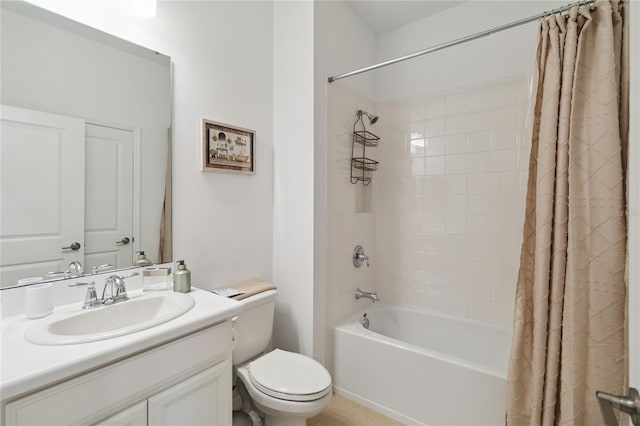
570, 319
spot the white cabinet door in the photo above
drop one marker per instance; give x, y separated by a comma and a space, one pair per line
204, 399
109, 197
42, 184
132, 416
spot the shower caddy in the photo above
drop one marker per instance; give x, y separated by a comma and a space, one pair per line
362, 164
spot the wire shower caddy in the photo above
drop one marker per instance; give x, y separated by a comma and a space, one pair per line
361, 166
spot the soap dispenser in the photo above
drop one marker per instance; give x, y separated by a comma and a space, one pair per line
142, 260
182, 278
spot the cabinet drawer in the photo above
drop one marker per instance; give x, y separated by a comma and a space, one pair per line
95, 395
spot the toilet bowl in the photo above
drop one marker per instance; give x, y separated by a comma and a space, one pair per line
286, 387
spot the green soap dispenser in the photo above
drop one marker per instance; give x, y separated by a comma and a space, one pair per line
182, 278
142, 260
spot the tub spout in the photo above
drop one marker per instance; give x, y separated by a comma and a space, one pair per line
373, 295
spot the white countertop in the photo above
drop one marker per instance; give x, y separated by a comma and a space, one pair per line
26, 367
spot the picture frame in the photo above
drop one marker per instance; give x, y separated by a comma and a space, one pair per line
227, 148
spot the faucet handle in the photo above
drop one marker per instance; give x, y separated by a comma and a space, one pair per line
359, 257
91, 296
96, 269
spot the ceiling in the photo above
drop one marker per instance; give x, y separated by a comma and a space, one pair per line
386, 15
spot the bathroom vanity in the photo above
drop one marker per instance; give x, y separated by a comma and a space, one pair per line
178, 372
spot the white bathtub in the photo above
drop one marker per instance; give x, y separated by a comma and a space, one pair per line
423, 368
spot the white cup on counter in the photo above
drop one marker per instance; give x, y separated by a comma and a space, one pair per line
38, 301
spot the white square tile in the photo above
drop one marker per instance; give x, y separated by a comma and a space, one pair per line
435, 204
503, 205
434, 243
447, 303
478, 245
456, 184
434, 106
456, 285
415, 109
479, 141
456, 164
502, 314
417, 147
416, 130
504, 138
479, 120
456, 124
504, 183
456, 246
455, 264
504, 292
456, 204
435, 165
455, 103
479, 309
503, 161
479, 162
505, 271
503, 117
478, 98
435, 223
456, 144
435, 127
503, 94
479, 205
435, 146
479, 225
479, 267
435, 263
417, 166
479, 183
479, 287
456, 224
435, 185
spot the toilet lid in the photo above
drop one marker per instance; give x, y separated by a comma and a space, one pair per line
289, 376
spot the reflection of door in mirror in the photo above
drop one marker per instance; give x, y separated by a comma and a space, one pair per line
38, 151
108, 196
54, 65
42, 205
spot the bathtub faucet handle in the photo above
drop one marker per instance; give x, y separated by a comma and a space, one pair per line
359, 257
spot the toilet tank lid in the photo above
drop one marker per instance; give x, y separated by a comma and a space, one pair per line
290, 373
259, 299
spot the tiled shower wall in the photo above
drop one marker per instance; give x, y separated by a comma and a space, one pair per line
350, 216
449, 199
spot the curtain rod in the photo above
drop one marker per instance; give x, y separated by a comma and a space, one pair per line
459, 41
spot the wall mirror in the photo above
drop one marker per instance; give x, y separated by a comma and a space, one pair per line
85, 149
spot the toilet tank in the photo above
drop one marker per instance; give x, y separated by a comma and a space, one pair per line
254, 326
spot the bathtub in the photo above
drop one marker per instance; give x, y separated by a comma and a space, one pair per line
420, 367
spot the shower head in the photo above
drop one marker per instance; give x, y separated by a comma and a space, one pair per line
372, 118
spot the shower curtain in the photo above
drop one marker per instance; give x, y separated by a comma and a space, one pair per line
570, 318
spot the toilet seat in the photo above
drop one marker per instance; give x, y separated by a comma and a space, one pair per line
289, 376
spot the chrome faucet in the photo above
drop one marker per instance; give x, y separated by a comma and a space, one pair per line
373, 295
114, 291
75, 269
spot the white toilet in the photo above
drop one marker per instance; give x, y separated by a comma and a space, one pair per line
286, 387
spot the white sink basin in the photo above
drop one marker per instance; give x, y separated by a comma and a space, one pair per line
138, 313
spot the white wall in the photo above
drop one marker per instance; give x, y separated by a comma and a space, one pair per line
223, 70
500, 55
293, 248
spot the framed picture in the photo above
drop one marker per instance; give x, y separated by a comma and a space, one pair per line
227, 148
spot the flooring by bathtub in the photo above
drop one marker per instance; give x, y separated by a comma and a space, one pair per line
344, 412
